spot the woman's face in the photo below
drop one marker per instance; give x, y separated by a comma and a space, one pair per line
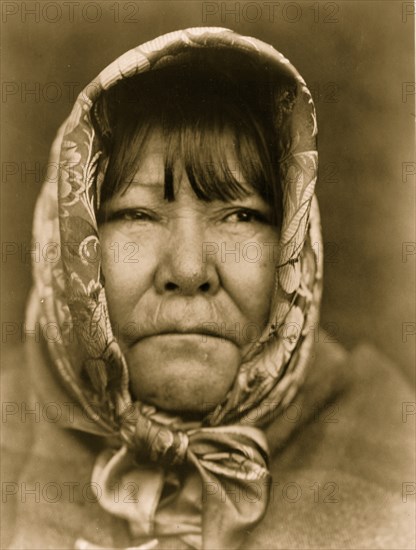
188, 283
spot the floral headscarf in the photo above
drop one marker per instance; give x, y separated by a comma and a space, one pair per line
227, 450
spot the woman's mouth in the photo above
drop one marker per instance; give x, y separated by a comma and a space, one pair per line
201, 332
176, 371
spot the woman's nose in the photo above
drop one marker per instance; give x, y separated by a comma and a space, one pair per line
183, 268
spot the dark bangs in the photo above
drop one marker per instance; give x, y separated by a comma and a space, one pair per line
215, 125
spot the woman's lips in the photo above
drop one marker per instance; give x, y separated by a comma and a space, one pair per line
190, 345
187, 340
202, 333
184, 315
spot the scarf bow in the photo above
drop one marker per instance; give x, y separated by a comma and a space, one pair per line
231, 461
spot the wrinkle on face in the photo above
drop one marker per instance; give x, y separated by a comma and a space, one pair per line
164, 288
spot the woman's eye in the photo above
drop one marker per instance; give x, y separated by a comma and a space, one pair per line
246, 216
136, 215
131, 215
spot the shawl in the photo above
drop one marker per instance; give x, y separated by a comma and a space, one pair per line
183, 474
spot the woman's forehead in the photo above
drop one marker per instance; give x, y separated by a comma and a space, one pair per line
152, 158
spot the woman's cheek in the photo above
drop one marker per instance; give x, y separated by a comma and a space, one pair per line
128, 264
248, 277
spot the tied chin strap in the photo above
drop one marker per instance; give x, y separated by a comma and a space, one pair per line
214, 509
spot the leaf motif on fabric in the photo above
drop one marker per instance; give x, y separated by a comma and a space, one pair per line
289, 277
291, 330
292, 230
89, 250
274, 360
295, 180
96, 371
71, 182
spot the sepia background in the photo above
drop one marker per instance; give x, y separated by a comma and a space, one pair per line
358, 60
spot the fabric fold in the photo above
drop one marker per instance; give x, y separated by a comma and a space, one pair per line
233, 494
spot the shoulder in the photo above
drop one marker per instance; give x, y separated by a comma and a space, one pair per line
346, 478
48, 499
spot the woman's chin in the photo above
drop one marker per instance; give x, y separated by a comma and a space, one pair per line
183, 372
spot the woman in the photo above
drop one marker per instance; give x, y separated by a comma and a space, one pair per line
195, 412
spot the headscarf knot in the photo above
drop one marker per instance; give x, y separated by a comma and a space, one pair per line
159, 443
